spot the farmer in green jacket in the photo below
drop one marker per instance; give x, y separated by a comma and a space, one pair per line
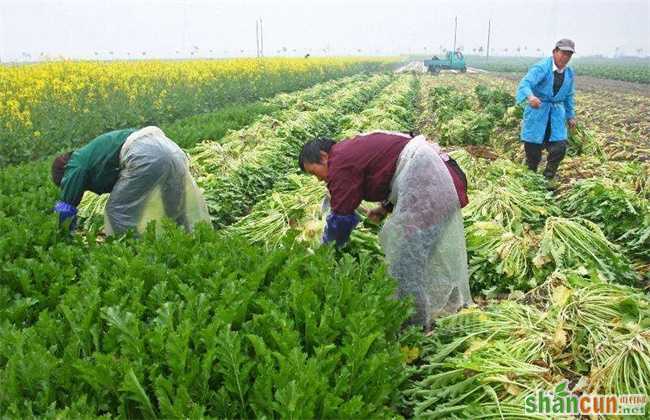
146, 174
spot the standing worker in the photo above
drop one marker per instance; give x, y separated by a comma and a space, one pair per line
549, 89
423, 240
146, 174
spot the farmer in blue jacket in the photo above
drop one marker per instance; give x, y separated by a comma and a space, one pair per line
548, 87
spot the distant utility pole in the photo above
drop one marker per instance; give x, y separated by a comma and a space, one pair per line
455, 29
487, 51
259, 37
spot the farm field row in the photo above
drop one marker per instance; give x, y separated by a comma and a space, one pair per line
546, 268
52, 107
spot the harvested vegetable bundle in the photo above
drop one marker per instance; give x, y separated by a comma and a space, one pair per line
619, 212
503, 168
609, 326
440, 104
494, 101
289, 206
91, 210
455, 120
622, 363
512, 117
214, 156
499, 260
637, 240
632, 175
582, 141
601, 200
466, 127
473, 167
577, 242
487, 95
296, 206
483, 363
445, 100
508, 202
364, 241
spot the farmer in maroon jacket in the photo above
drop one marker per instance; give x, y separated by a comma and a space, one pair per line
423, 240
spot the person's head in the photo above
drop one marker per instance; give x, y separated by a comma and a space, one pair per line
563, 52
313, 157
58, 167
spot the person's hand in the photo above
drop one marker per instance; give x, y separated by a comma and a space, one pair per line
534, 101
377, 214
572, 123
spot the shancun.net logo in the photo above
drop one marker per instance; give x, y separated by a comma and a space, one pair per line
562, 401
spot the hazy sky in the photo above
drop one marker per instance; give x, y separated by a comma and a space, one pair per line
175, 28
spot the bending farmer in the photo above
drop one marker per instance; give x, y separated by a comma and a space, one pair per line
548, 87
423, 240
146, 174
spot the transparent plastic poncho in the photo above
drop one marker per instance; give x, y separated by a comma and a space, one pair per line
423, 239
154, 183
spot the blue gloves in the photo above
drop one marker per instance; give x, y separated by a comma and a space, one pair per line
66, 211
339, 227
